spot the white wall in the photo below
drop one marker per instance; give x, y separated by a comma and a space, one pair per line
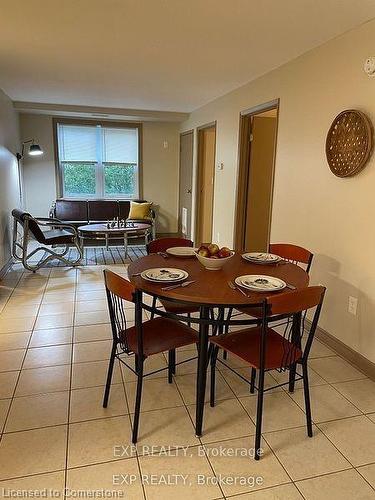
160, 168
333, 217
9, 184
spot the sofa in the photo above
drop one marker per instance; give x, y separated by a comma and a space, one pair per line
82, 212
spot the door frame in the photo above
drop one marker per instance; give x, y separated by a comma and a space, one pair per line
201, 129
179, 222
244, 149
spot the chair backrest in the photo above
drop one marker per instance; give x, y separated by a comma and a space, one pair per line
27, 220
293, 253
296, 303
118, 291
161, 244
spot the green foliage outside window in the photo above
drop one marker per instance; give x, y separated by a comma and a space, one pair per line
119, 179
80, 179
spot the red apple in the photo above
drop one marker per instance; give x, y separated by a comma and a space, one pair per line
213, 249
224, 252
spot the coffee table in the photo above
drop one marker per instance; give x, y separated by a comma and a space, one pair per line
102, 232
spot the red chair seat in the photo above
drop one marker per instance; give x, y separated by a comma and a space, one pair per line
246, 345
178, 307
160, 334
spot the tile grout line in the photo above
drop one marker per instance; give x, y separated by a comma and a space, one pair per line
69, 395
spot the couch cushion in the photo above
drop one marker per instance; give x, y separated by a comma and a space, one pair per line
124, 208
71, 210
100, 210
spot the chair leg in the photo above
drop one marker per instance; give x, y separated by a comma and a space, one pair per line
189, 322
292, 377
306, 391
109, 375
258, 432
213, 373
252, 380
171, 364
153, 307
138, 399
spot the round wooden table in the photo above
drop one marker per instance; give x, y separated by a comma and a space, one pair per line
210, 289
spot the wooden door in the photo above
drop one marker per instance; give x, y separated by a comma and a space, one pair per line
206, 174
257, 151
260, 183
186, 181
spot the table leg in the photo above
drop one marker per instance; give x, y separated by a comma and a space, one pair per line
81, 245
106, 241
126, 244
202, 370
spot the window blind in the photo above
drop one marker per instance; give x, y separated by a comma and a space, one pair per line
120, 145
78, 143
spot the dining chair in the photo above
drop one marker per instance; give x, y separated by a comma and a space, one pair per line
291, 253
161, 245
265, 349
142, 340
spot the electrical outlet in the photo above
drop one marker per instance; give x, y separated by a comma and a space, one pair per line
352, 305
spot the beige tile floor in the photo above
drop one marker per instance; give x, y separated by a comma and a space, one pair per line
55, 339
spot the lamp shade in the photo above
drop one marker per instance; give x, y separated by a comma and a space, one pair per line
35, 150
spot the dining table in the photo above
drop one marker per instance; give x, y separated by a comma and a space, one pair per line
210, 290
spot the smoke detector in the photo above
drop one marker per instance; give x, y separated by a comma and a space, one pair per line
369, 66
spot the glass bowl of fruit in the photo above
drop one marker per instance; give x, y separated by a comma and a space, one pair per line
212, 257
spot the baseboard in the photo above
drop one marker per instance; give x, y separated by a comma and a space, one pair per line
363, 364
6, 267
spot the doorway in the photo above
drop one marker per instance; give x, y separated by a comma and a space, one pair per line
258, 134
186, 183
205, 183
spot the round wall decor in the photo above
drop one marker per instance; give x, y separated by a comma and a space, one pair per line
349, 143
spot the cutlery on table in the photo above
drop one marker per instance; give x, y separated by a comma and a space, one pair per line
291, 287
233, 286
179, 285
135, 274
163, 254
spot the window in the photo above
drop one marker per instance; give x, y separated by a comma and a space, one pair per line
98, 161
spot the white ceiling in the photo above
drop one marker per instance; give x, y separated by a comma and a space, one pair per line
168, 55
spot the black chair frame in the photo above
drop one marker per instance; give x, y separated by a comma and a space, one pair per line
294, 334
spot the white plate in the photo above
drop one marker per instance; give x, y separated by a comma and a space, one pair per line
261, 257
181, 251
260, 283
163, 274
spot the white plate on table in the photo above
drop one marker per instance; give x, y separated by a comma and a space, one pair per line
181, 251
261, 257
260, 283
164, 274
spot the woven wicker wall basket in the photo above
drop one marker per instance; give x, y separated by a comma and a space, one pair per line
349, 143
